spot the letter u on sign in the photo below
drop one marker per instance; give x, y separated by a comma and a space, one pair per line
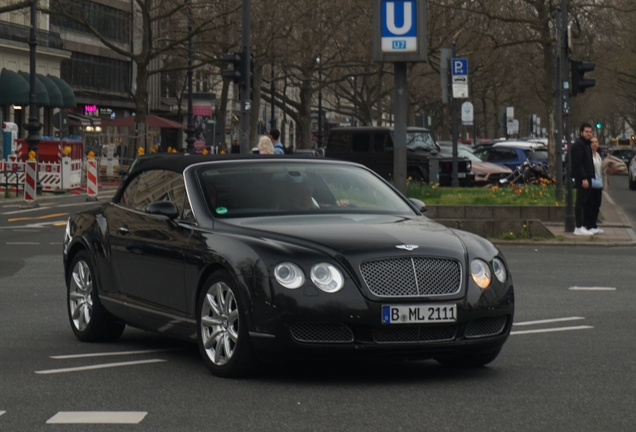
399, 26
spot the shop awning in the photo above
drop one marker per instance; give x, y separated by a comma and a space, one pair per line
41, 95
14, 90
55, 95
67, 94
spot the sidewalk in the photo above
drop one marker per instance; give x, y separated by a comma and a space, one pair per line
616, 226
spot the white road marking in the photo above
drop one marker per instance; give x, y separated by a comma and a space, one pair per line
575, 288
106, 354
98, 366
33, 230
548, 330
2, 412
24, 211
23, 243
97, 417
36, 225
547, 321
11, 206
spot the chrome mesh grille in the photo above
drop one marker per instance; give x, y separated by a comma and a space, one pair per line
321, 332
408, 277
485, 327
426, 333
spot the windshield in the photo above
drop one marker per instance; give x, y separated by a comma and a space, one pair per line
268, 188
469, 155
537, 155
420, 141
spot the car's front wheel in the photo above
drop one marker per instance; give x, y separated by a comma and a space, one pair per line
477, 359
89, 320
632, 183
222, 329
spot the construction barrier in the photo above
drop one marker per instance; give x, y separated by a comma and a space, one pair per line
53, 176
91, 178
29, 185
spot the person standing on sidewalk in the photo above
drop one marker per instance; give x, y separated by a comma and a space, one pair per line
583, 172
274, 135
596, 192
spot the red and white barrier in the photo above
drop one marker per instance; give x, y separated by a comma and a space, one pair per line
29, 183
91, 178
53, 176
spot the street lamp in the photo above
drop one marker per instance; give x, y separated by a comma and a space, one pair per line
319, 134
190, 139
33, 126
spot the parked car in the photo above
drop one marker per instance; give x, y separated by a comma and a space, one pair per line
373, 148
486, 173
624, 154
513, 156
266, 257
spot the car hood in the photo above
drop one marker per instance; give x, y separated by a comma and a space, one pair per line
358, 234
491, 168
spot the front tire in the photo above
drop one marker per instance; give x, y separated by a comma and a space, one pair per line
222, 333
632, 183
89, 320
471, 360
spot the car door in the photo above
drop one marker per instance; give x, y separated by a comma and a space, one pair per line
383, 153
147, 250
505, 156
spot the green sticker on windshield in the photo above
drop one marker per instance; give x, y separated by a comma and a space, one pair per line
221, 210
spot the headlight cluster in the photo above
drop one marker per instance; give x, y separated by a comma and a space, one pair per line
481, 272
324, 275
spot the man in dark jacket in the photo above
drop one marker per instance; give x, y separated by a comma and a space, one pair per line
583, 172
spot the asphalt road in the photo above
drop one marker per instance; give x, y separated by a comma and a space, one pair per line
568, 366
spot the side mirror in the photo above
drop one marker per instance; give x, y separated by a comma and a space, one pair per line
163, 208
419, 204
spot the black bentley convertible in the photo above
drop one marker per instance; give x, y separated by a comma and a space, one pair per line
257, 258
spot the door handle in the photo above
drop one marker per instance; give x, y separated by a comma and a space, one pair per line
123, 230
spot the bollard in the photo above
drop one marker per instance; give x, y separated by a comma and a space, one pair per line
91, 180
29, 181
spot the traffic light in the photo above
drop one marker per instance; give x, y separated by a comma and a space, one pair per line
236, 60
579, 82
599, 125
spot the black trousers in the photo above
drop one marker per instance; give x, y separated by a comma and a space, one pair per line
581, 210
593, 208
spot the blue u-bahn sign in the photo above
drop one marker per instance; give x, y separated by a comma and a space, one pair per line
399, 30
399, 26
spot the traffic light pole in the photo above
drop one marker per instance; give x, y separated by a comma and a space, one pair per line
558, 138
246, 88
569, 209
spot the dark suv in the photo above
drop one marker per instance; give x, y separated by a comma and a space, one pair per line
373, 148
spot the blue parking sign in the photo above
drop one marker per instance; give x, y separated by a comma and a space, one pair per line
459, 66
398, 26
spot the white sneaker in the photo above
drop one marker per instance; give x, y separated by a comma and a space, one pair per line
582, 231
595, 230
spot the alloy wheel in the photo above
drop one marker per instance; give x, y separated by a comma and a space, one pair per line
219, 323
81, 295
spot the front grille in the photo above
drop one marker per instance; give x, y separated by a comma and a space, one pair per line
321, 332
425, 333
408, 277
485, 327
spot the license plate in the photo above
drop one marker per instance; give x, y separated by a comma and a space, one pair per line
461, 175
418, 314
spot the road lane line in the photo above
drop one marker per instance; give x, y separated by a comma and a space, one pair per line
49, 216
556, 329
98, 366
97, 417
106, 354
575, 288
23, 243
546, 321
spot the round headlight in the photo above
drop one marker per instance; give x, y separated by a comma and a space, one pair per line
289, 275
499, 270
480, 272
327, 277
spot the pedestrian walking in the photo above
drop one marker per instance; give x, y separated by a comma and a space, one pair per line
265, 146
274, 135
583, 172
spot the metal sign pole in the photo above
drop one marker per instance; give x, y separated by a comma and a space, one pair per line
399, 134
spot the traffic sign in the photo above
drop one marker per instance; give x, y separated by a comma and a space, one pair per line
459, 66
459, 72
467, 114
399, 26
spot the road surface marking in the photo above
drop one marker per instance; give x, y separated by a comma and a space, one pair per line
575, 288
547, 321
106, 354
24, 211
34, 225
557, 329
2, 412
23, 243
37, 217
60, 223
98, 366
97, 417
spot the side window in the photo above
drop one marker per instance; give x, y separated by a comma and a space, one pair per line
502, 155
160, 185
338, 143
378, 142
128, 197
360, 143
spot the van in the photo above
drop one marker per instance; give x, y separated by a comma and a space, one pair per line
373, 148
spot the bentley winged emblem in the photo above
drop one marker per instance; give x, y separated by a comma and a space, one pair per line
407, 247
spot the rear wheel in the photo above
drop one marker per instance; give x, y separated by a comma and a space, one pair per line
89, 320
222, 329
470, 360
